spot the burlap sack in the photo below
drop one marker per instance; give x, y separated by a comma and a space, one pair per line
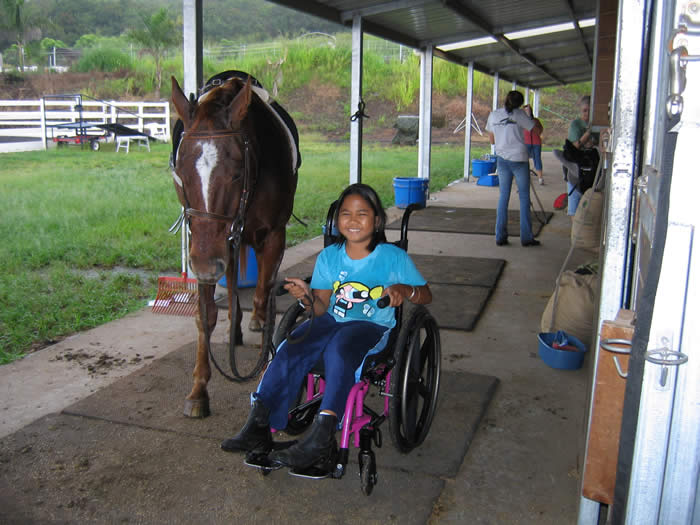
575, 307
586, 228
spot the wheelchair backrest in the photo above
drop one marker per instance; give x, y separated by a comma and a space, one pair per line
330, 236
330, 229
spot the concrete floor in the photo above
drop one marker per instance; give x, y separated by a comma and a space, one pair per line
523, 466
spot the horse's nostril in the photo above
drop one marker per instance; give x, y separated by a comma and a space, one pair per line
220, 267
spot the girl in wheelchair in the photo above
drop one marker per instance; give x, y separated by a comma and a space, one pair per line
348, 280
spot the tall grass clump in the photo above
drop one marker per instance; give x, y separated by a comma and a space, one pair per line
305, 64
105, 59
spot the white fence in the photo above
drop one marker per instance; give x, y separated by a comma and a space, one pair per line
36, 119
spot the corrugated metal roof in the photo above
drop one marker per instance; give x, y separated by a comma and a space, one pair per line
562, 57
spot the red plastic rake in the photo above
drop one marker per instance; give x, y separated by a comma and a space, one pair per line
177, 295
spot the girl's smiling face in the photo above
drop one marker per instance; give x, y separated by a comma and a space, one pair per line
356, 220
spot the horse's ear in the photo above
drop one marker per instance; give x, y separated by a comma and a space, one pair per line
182, 105
240, 104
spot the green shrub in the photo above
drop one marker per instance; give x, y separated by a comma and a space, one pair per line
105, 59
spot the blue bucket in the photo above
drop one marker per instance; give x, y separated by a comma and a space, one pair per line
410, 190
481, 167
488, 180
250, 279
561, 359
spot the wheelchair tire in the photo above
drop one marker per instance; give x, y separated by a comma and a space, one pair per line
299, 421
415, 380
302, 420
289, 319
368, 472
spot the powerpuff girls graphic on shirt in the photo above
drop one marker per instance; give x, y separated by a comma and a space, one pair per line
351, 294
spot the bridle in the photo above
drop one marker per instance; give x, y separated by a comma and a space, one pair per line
237, 221
234, 239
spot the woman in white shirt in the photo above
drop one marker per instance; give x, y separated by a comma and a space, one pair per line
505, 126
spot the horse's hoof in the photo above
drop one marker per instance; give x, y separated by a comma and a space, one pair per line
255, 326
197, 408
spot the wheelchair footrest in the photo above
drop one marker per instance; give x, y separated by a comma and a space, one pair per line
260, 460
311, 473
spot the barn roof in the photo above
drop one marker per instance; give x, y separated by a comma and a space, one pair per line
536, 44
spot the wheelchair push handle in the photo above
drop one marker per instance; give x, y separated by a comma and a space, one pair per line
280, 286
383, 302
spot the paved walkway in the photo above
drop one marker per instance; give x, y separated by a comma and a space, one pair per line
523, 466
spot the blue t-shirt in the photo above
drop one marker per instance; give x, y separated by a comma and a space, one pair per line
358, 284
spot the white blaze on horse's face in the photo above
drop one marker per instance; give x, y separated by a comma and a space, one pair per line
205, 165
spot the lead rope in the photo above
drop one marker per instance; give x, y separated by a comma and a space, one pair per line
232, 281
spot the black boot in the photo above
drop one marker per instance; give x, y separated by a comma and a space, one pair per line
318, 448
255, 434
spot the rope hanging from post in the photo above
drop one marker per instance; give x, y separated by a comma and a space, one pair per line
360, 113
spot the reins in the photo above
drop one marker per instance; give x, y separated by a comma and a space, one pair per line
234, 240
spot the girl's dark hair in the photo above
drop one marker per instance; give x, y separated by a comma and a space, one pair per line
514, 99
369, 195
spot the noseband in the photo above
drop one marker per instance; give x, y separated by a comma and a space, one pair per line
237, 221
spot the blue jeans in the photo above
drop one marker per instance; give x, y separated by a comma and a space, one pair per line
534, 151
506, 171
342, 346
574, 198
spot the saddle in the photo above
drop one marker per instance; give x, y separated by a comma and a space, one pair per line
275, 109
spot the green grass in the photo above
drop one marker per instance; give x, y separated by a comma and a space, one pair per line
75, 223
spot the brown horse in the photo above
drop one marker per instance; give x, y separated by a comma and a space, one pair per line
235, 173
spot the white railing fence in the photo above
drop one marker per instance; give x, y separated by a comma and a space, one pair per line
37, 118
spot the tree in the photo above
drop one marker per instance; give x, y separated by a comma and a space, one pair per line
15, 21
159, 34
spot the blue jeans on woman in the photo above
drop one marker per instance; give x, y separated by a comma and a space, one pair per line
506, 171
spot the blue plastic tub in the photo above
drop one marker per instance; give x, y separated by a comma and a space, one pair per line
488, 180
410, 190
250, 279
481, 167
561, 359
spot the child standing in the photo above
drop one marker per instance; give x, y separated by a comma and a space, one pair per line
533, 141
348, 279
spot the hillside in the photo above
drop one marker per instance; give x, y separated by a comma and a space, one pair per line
317, 107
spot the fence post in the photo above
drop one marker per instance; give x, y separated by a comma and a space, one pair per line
166, 109
140, 113
42, 105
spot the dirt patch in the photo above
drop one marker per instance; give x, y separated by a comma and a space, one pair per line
95, 361
35, 86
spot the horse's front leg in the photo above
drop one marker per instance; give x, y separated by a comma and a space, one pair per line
268, 265
197, 402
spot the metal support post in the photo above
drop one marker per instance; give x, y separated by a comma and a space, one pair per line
356, 103
663, 483
192, 46
494, 104
468, 121
619, 186
426, 112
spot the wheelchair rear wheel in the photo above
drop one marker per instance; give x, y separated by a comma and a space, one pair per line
289, 319
302, 414
415, 380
